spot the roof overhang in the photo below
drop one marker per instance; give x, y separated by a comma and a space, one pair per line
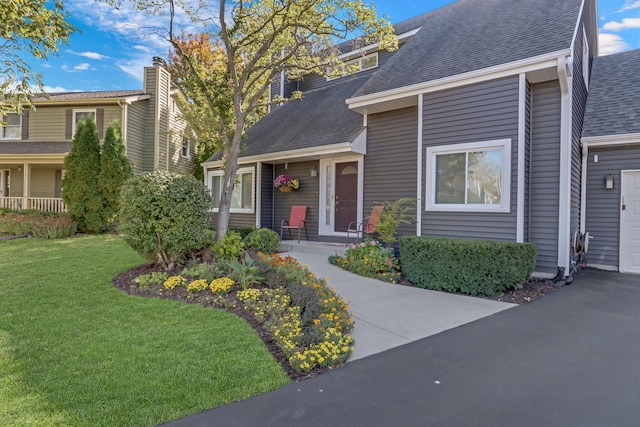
407, 96
32, 158
357, 146
610, 140
84, 101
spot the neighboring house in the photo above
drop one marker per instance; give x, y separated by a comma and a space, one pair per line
611, 168
33, 145
478, 115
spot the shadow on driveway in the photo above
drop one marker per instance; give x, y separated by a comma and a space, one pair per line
571, 358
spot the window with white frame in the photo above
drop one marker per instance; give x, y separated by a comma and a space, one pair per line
243, 196
81, 114
12, 127
359, 64
585, 57
186, 147
469, 177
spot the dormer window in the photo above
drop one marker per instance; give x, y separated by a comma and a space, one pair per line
357, 65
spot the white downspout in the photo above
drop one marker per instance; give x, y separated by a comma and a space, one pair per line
419, 167
564, 217
522, 95
583, 189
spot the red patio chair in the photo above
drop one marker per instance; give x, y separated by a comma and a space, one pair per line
361, 229
297, 220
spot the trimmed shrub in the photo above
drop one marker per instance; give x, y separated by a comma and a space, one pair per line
163, 215
242, 231
229, 247
473, 267
263, 240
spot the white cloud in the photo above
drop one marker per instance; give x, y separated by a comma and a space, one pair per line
625, 24
135, 67
52, 89
90, 55
630, 4
611, 43
82, 67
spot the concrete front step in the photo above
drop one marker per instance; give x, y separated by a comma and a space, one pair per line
323, 248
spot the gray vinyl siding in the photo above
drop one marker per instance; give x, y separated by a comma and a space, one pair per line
150, 78
390, 166
240, 219
481, 112
545, 174
307, 196
603, 206
527, 162
265, 186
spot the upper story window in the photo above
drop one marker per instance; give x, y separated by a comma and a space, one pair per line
12, 127
186, 147
81, 114
243, 196
359, 64
469, 177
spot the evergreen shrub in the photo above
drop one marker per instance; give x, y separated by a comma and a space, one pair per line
263, 240
473, 267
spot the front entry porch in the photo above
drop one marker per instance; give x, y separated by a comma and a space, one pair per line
31, 185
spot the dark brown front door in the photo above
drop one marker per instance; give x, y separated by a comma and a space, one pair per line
346, 194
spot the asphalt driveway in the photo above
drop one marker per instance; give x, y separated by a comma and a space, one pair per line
571, 358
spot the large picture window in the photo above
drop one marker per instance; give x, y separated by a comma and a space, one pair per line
12, 127
469, 177
242, 198
357, 65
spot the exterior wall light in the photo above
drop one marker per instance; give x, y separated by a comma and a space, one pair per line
314, 171
608, 182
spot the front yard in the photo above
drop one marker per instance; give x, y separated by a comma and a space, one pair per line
75, 351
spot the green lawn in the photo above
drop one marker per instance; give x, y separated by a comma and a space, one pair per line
76, 351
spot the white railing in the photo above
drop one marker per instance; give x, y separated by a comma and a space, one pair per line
49, 204
13, 203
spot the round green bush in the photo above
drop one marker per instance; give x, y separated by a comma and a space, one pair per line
263, 239
164, 215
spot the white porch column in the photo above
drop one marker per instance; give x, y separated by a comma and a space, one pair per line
26, 185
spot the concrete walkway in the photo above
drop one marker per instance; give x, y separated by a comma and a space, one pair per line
568, 359
388, 315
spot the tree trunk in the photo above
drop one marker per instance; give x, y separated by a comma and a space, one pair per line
232, 153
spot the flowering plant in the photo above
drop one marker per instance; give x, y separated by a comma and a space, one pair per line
286, 181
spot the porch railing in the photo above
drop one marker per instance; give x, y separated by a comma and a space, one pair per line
49, 204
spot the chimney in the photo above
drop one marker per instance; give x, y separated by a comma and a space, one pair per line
158, 62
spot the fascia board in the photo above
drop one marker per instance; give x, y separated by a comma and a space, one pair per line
611, 140
504, 70
343, 147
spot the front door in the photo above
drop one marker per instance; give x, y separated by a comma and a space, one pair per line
630, 223
346, 200
340, 196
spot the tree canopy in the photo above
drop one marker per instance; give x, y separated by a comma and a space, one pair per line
28, 27
225, 70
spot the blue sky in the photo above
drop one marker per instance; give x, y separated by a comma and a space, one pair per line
114, 46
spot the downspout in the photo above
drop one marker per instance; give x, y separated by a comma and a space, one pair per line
419, 167
564, 217
522, 98
257, 182
123, 120
583, 188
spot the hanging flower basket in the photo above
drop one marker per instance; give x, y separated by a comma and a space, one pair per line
285, 183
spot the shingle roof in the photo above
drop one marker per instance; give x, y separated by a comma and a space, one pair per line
74, 96
22, 147
470, 35
320, 118
613, 104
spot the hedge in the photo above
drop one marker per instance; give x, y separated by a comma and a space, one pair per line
473, 267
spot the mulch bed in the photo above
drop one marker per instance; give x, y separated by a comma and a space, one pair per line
125, 282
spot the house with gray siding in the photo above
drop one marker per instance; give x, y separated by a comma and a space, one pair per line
33, 144
478, 116
611, 163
